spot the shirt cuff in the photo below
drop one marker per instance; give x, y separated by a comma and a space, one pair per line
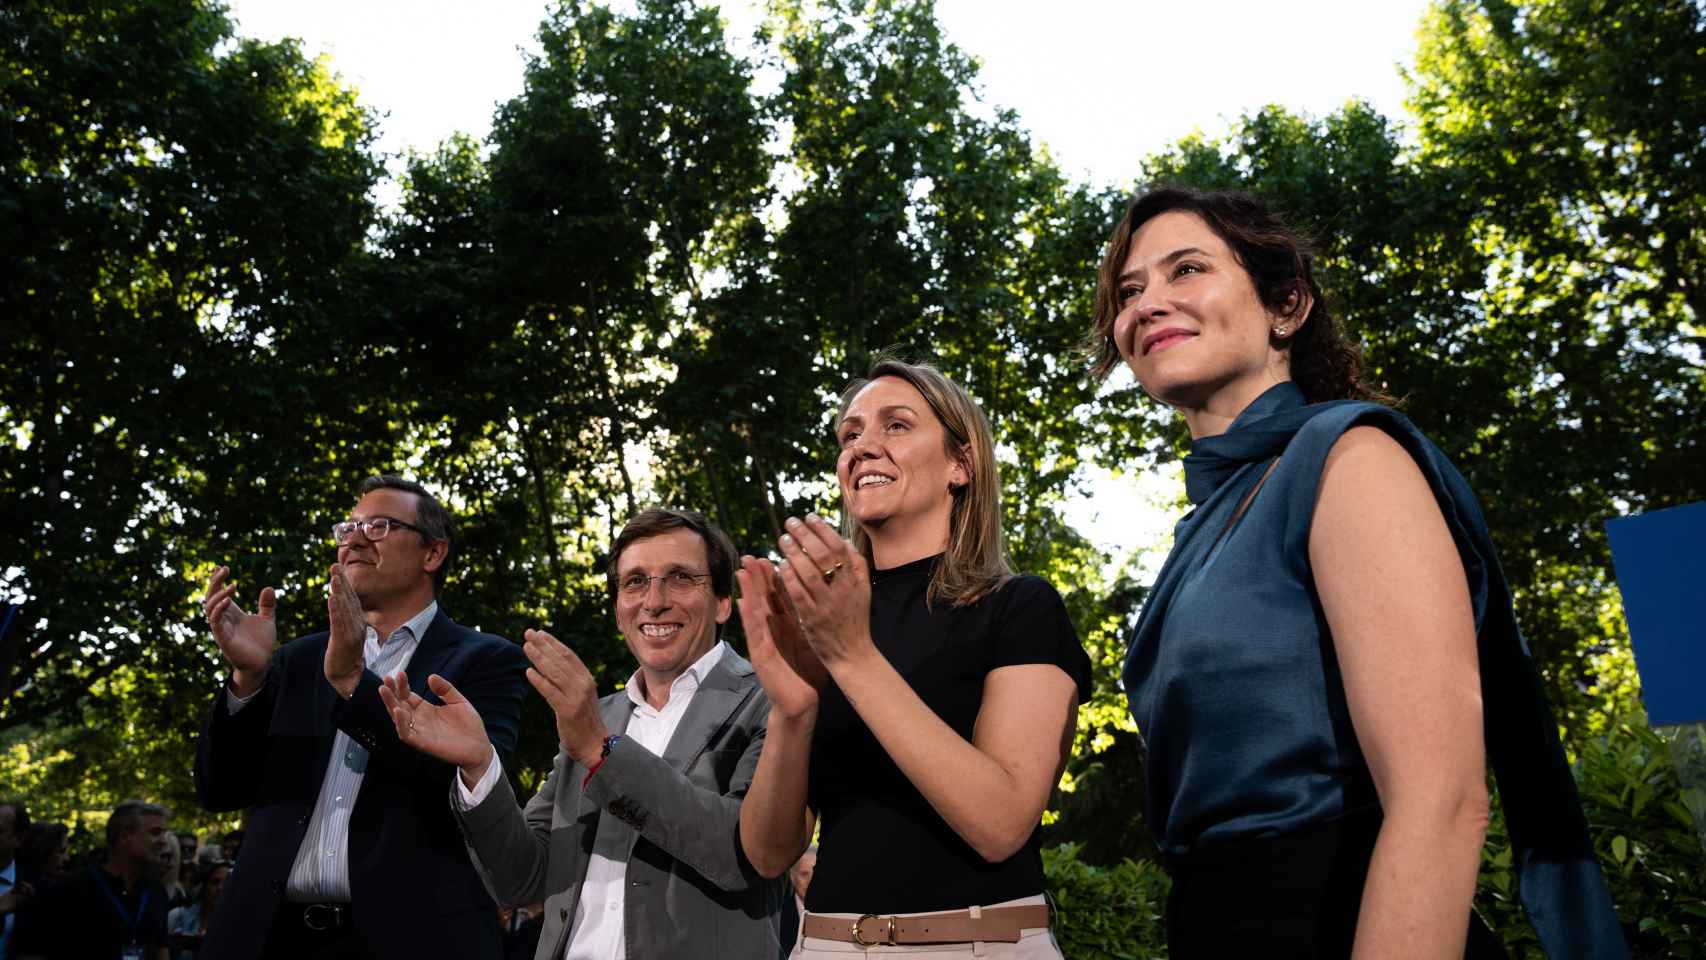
483, 789
234, 703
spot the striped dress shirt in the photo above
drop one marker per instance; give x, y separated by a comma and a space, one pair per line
321, 871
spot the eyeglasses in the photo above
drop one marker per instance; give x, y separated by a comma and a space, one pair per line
374, 530
676, 583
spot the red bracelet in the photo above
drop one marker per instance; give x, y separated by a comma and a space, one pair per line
609, 742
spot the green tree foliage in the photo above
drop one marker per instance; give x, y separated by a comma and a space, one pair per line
1526, 279
1106, 913
653, 278
182, 216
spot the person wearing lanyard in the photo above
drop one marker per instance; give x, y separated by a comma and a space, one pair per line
112, 911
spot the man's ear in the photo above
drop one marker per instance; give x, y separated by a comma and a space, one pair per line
435, 556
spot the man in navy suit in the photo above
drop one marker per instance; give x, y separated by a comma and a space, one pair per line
350, 849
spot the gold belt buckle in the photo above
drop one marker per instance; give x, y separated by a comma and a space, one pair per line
859, 934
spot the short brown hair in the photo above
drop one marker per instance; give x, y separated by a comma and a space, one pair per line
430, 515
975, 561
719, 549
1325, 363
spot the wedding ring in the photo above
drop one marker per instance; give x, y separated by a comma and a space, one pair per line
829, 575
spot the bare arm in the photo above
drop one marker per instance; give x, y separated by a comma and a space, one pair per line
990, 791
1396, 598
775, 823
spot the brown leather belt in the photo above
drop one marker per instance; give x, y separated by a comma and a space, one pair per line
996, 924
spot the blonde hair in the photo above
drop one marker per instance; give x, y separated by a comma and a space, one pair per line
975, 561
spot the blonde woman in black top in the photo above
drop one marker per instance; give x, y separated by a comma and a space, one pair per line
922, 695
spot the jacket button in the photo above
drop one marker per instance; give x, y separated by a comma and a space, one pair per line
563, 914
302, 821
278, 886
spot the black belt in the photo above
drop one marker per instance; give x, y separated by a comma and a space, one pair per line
316, 917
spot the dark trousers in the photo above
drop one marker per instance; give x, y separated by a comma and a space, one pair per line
1280, 897
292, 937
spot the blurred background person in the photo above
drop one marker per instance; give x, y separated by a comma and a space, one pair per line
188, 850
231, 845
172, 875
187, 925
113, 908
46, 853
16, 886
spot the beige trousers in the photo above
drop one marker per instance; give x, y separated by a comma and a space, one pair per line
1034, 944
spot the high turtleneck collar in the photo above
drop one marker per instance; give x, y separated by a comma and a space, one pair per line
923, 566
1260, 431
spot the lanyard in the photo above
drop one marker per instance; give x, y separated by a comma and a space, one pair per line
130, 923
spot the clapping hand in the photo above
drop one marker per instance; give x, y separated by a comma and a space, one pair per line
567, 685
245, 639
788, 669
452, 732
345, 649
829, 588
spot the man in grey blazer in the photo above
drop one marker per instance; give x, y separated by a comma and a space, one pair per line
633, 841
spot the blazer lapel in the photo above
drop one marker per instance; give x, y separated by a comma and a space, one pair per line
432, 652
725, 688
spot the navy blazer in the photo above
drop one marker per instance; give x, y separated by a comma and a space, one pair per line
413, 890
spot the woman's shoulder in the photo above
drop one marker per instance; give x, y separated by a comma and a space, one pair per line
1024, 589
1339, 416
1370, 429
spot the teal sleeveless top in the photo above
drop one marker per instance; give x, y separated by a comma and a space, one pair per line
1233, 683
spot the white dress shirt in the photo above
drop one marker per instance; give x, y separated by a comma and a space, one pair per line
597, 933
321, 871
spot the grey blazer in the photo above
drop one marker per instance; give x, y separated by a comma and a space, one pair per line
689, 892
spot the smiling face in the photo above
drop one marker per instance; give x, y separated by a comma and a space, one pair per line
1190, 324
668, 628
395, 572
897, 477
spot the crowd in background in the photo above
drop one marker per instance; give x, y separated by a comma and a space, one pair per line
166, 884
182, 875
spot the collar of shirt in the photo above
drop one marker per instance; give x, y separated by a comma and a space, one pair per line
9, 873
684, 685
416, 625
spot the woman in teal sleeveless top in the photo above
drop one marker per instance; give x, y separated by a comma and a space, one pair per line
1328, 660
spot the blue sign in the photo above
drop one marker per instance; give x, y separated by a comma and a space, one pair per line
1661, 569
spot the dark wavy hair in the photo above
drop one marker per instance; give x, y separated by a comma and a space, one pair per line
1325, 363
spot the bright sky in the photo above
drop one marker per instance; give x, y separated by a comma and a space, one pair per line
1101, 83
